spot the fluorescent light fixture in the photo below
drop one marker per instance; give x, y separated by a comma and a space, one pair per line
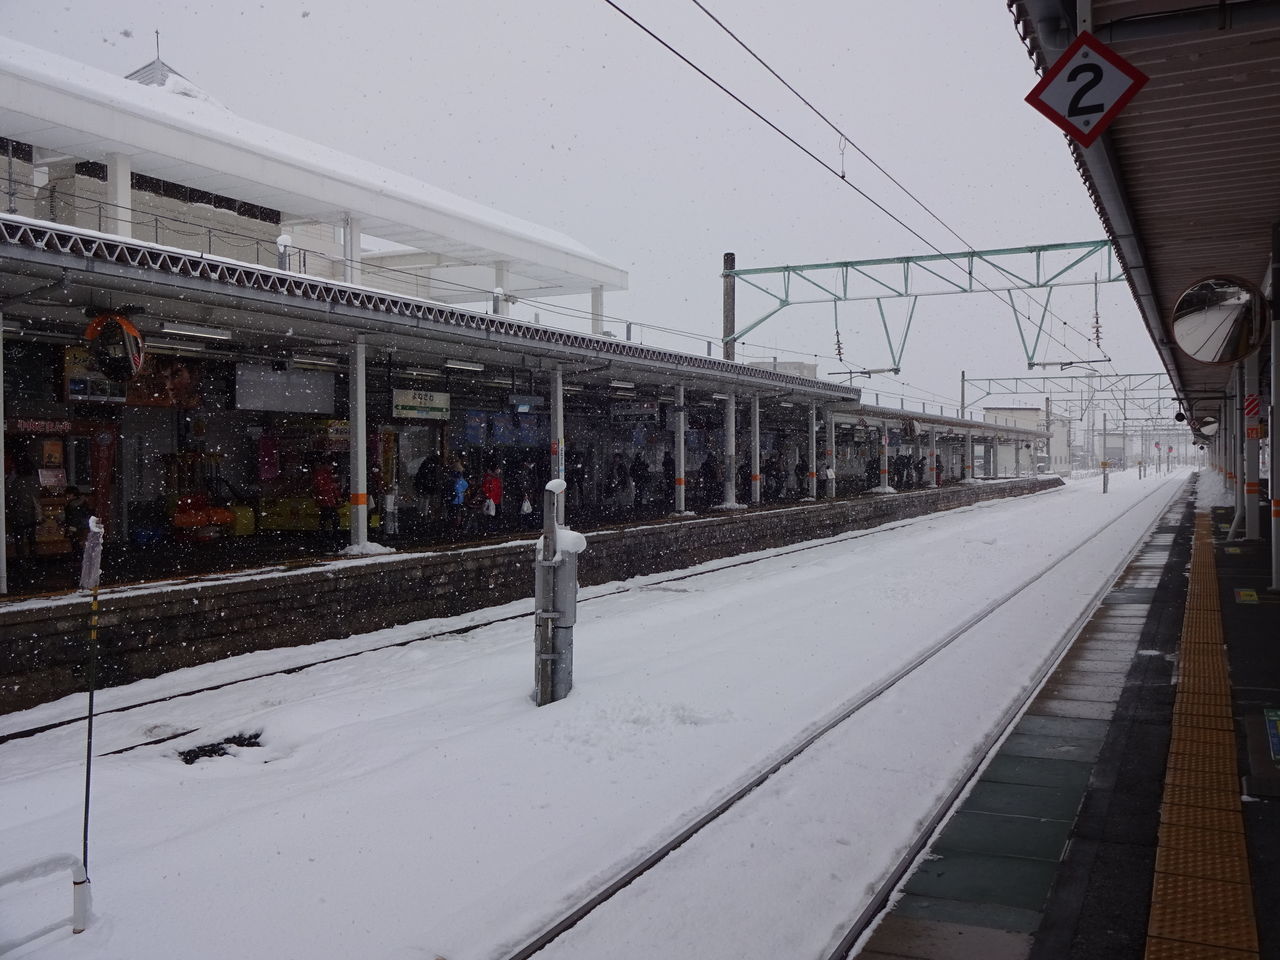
463, 365
719, 396
784, 403
419, 372
315, 361
169, 346
622, 384
190, 330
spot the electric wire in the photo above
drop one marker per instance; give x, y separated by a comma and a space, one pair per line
813, 156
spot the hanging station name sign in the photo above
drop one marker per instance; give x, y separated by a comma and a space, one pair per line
419, 405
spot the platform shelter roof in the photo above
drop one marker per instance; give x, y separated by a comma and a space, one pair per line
1185, 179
68, 108
50, 275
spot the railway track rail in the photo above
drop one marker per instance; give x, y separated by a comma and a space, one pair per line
860, 923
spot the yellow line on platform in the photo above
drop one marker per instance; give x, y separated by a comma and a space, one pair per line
1201, 897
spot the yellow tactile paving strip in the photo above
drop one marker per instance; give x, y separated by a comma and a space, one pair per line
1201, 898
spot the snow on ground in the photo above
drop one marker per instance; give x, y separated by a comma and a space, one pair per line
411, 802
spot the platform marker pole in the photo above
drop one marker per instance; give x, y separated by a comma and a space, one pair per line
90, 574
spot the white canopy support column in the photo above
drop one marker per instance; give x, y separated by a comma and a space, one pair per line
1017, 459
597, 312
1252, 449
682, 421
358, 423
731, 450
350, 249
829, 457
557, 438
968, 460
813, 451
500, 306
120, 194
884, 459
755, 450
993, 461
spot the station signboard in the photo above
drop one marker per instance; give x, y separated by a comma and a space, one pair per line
634, 412
419, 405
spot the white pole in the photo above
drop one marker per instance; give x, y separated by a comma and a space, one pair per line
731, 450
831, 454
557, 438
682, 420
359, 513
933, 458
813, 451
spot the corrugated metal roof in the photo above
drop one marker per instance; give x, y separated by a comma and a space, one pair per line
1186, 178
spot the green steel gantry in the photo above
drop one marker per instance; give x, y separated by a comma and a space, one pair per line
1000, 271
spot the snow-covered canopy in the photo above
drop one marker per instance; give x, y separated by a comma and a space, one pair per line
64, 106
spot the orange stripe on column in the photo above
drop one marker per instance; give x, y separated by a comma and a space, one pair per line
359, 499
679, 481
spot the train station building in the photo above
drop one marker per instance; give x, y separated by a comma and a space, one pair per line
202, 316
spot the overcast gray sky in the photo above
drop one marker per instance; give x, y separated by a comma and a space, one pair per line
562, 112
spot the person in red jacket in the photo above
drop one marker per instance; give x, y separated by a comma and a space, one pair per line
327, 495
491, 492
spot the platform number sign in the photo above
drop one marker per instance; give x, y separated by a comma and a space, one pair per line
1086, 88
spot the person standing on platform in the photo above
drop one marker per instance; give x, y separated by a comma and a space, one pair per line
491, 491
640, 479
457, 495
327, 495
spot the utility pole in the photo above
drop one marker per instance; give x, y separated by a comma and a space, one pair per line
730, 304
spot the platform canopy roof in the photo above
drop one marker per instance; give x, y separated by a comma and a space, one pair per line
68, 108
1186, 179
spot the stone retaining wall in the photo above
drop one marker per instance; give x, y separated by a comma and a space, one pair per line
144, 631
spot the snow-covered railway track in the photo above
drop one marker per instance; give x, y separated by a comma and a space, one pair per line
876, 901
454, 632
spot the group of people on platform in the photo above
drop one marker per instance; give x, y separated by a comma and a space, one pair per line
483, 492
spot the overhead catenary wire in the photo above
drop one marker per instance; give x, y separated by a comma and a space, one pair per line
813, 156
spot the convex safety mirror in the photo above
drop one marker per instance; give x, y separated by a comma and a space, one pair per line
1219, 320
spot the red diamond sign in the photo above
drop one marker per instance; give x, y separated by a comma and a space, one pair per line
1086, 88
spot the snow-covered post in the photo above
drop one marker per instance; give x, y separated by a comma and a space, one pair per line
359, 513
682, 418
755, 449
555, 602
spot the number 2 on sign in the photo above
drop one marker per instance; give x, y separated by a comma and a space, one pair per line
1092, 75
